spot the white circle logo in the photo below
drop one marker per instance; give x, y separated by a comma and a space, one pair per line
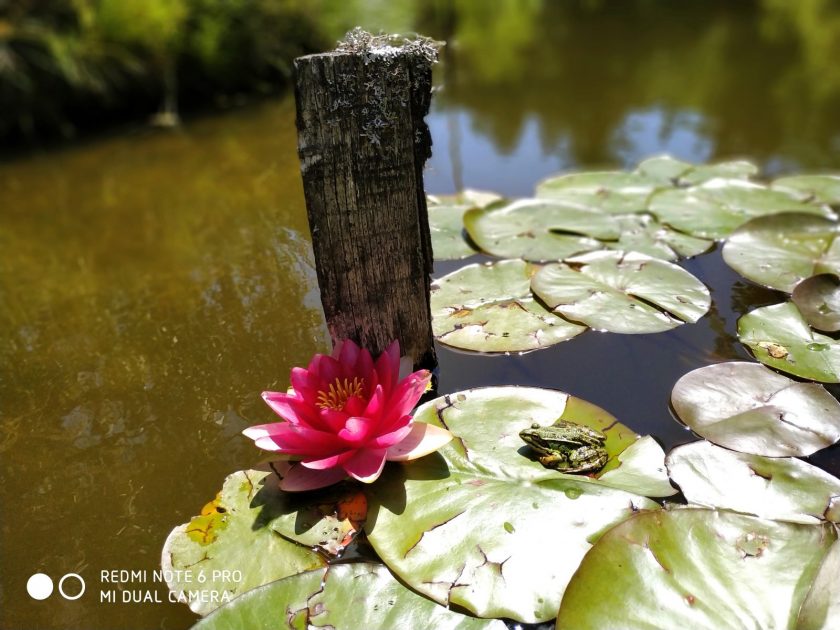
39, 586
61, 586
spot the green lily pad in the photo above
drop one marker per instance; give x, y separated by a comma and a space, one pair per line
641, 470
465, 525
682, 173
446, 222
695, 568
342, 597
490, 308
748, 408
782, 489
235, 533
609, 191
821, 608
818, 299
625, 293
780, 337
538, 229
822, 188
779, 251
642, 233
715, 208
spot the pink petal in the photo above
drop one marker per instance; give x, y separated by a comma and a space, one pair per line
422, 440
347, 352
355, 406
295, 439
364, 368
327, 462
388, 367
290, 408
375, 404
328, 369
305, 383
394, 424
332, 419
406, 394
366, 464
299, 478
355, 431
389, 439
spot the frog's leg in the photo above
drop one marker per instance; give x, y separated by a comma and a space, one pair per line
587, 458
556, 460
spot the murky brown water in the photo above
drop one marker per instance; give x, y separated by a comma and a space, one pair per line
152, 284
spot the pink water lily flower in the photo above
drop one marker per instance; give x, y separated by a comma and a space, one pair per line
345, 416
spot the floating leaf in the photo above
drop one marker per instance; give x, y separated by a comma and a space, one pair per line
609, 191
748, 408
818, 300
678, 172
717, 207
640, 469
249, 503
624, 293
342, 597
699, 569
822, 188
783, 489
642, 233
489, 308
821, 608
779, 251
446, 222
539, 229
465, 525
780, 337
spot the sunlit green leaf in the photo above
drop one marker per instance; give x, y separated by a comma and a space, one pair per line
464, 526
641, 470
821, 608
625, 293
446, 222
490, 308
642, 233
342, 597
748, 408
778, 251
608, 191
823, 188
674, 171
698, 569
779, 488
248, 504
818, 300
780, 337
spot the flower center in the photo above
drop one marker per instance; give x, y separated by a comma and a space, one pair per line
339, 392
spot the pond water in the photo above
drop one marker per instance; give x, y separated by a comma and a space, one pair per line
154, 283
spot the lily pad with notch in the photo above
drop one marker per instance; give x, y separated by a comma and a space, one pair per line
539, 229
446, 221
778, 488
490, 308
697, 568
820, 188
342, 597
679, 173
615, 192
622, 292
463, 527
642, 233
780, 337
781, 250
751, 409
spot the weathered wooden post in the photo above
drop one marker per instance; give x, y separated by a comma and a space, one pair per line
362, 143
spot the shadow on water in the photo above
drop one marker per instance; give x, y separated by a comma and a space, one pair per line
154, 284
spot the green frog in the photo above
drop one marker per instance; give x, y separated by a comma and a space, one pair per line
567, 447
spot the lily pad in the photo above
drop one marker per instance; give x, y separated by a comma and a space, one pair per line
539, 229
446, 222
640, 469
342, 597
490, 308
609, 191
463, 527
782, 489
780, 337
235, 534
715, 208
748, 408
822, 188
779, 251
699, 569
677, 172
642, 233
818, 300
822, 605
622, 292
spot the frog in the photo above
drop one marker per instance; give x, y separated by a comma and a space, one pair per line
567, 447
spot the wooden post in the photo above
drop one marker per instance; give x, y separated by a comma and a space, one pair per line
362, 143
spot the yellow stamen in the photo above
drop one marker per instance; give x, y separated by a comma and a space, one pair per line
339, 392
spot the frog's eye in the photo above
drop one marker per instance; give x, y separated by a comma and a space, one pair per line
535, 426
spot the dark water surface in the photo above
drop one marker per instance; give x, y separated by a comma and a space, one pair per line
154, 283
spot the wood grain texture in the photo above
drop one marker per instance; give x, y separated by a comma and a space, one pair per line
362, 143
